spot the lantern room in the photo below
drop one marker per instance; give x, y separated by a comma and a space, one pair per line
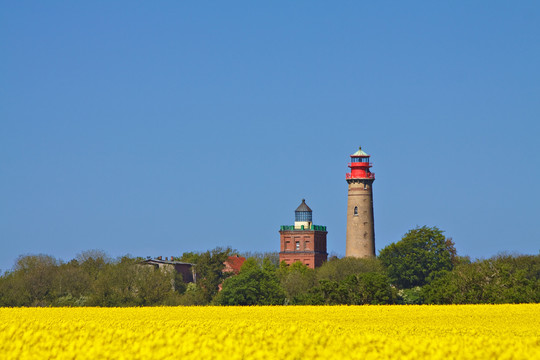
360, 166
303, 216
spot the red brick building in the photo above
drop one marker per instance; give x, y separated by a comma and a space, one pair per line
233, 264
303, 241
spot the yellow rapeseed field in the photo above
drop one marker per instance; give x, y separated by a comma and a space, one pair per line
285, 332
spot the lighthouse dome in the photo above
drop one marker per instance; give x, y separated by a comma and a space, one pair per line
303, 206
303, 212
360, 152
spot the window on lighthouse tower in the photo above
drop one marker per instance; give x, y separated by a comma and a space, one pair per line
356, 210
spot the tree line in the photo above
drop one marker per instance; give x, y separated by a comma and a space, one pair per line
422, 268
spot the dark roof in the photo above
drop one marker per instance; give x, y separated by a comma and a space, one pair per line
158, 261
303, 207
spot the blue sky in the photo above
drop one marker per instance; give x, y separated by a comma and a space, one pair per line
162, 127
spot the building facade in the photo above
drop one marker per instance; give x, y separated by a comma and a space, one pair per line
186, 269
360, 238
303, 241
233, 264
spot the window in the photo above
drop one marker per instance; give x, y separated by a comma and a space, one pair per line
303, 216
298, 245
356, 211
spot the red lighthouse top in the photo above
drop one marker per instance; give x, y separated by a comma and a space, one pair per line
360, 166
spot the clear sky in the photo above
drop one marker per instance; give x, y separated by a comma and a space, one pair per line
157, 128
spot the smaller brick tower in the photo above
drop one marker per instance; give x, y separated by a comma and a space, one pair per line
303, 241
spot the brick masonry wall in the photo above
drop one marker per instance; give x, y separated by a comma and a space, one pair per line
360, 238
311, 248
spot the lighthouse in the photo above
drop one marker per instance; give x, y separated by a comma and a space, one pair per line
360, 238
303, 242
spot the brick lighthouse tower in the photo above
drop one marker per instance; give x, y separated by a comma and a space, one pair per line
303, 241
360, 226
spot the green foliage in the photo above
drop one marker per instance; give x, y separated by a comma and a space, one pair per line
94, 279
411, 296
296, 279
501, 279
190, 257
419, 257
36, 274
114, 286
128, 283
252, 286
92, 262
209, 269
178, 281
69, 300
13, 291
152, 285
192, 296
250, 264
360, 289
259, 257
339, 269
72, 282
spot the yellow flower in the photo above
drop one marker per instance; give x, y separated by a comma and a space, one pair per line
286, 332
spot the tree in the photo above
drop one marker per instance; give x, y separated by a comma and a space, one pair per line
115, 285
339, 269
252, 286
128, 283
153, 285
373, 289
420, 256
209, 270
501, 279
192, 296
92, 262
72, 286
190, 257
37, 274
296, 279
13, 291
250, 264
356, 289
259, 257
